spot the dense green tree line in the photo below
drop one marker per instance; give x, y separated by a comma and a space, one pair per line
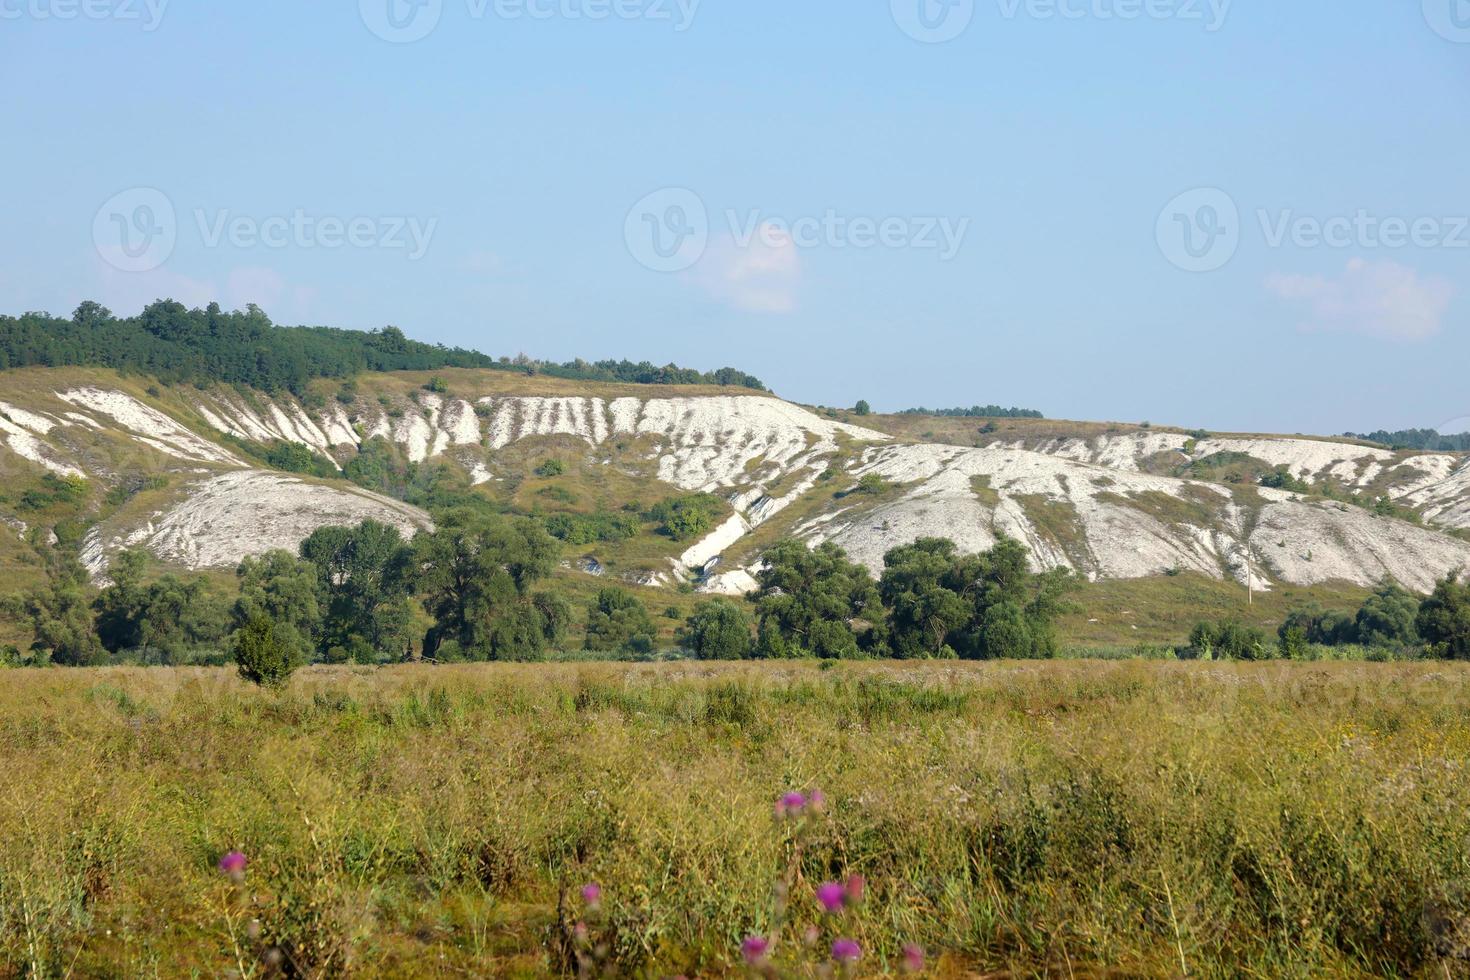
176, 344
1391, 622
977, 412
1425, 439
475, 589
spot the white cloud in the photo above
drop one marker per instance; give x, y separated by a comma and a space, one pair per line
759, 276
1378, 299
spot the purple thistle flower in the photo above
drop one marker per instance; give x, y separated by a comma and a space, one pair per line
846, 951
233, 863
592, 893
754, 949
790, 805
913, 958
818, 801
832, 896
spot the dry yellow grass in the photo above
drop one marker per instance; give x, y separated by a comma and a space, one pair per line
1066, 819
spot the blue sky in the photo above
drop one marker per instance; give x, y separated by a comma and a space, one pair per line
492, 172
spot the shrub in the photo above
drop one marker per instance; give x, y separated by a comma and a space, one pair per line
686, 517
551, 467
261, 656
618, 620
719, 629
1229, 641
1444, 619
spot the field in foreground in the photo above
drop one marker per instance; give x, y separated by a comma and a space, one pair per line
1065, 819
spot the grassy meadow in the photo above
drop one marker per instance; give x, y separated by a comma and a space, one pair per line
1069, 819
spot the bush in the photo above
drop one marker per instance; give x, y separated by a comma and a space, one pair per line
261, 656
1444, 619
688, 516
1227, 641
618, 620
719, 629
551, 467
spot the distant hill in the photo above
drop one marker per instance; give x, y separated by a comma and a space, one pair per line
170, 342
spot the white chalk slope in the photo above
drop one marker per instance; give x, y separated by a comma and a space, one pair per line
1086, 504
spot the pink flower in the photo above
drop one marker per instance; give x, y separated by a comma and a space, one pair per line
754, 949
592, 893
832, 896
846, 951
913, 958
818, 801
856, 885
233, 863
790, 805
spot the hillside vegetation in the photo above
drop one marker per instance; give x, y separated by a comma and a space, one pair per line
173, 343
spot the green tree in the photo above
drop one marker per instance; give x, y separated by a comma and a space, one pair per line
926, 604
60, 614
814, 603
286, 590
862, 407
476, 574
1386, 617
618, 620
365, 575
261, 655
718, 629
1444, 619
1010, 611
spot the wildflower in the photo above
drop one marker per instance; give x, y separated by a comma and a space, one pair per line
856, 885
790, 805
818, 801
754, 949
832, 896
846, 951
233, 863
592, 894
810, 935
913, 958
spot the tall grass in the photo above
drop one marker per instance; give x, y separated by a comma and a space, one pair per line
1042, 818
